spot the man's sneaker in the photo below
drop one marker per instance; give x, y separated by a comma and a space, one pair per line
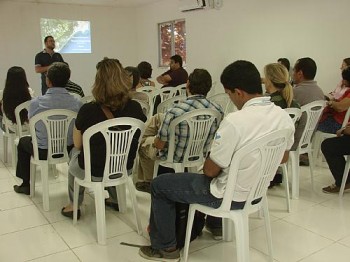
143, 186
216, 232
333, 189
159, 255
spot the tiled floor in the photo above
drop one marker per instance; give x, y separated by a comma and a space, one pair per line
316, 230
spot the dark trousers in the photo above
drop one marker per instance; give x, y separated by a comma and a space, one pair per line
25, 151
334, 150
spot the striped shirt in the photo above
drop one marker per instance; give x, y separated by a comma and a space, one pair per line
181, 132
73, 88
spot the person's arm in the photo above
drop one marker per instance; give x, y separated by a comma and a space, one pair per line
340, 106
163, 79
343, 131
210, 168
159, 144
41, 69
77, 138
285, 157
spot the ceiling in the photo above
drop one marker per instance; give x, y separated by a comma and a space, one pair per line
115, 3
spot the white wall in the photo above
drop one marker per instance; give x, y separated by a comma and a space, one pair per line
112, 29
255, 30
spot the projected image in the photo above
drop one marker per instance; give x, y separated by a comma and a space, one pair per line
71, 36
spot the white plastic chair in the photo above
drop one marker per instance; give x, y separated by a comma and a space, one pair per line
9, 136
320, 136
270, 149
22, 130
118, 143
345, 176
224, 101
199, 122
86, 99
169, 103
295, 114
57, 123
180, 91
313, 113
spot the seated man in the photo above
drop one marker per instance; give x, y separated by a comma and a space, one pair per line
56, 97
257, 117
176, 75
334, 150
198, 86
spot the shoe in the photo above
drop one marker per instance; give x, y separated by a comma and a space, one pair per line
111, 204
216, 232
150, 253
22, 189
334, 188
143, 186
69, 213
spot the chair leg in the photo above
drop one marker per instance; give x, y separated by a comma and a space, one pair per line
13, 153
100, 214
135, 205
286, 185
294, 158
227, 229
311, 167
268, 228
316, 142
5, 144
242, 237
345, 176
32, 179
190, 219
75, 202
45, 185
121, 195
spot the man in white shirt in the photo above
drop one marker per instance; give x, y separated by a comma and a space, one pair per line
257, 117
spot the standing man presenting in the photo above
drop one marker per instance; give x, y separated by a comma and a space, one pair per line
176, 75
45, 58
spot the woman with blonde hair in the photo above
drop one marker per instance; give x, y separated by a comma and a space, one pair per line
281, 92
278, 87
111, 100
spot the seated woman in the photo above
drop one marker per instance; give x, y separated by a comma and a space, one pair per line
145, 70
278, 86
111, 99
334, 114
339, 91
135, 75
16, 92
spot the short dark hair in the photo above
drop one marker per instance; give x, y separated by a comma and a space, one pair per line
59, 74
308, 66
177, 59
47, 38
284, 61
346, 74
135, 75
243, 75
145, 69
347, 61
199, 82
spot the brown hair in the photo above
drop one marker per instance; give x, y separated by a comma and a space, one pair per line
112, 84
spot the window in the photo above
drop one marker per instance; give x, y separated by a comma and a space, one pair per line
172, 40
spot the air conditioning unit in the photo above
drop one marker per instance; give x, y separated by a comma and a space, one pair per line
191, 5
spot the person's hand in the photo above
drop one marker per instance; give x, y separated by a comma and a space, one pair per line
340, 132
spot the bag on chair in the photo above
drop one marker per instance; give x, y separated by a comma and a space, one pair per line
181, 224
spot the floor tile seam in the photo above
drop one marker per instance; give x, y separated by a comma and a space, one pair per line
24, 229
26, 205
307, 229
32, 259
340, 243
315, 252
214, 243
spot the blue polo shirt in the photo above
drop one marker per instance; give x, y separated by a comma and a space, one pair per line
55, 98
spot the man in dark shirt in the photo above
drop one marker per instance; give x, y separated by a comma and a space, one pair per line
176, 75
45, 58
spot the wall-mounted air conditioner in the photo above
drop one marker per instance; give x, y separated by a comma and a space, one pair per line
191, 5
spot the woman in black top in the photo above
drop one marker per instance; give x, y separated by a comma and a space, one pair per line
111, 95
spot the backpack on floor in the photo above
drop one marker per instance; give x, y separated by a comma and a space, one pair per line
181, 224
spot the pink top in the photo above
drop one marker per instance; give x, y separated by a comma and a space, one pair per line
339, 91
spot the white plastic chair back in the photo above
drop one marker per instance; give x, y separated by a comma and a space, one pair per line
270, 149
165, 93
224, 101
145, 106
169, 103
22, 130
86, 99
180, 90
119, 133
294, 113
57, 123
199, 123
9, 136
313, 112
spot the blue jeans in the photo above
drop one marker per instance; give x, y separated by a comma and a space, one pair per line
168, 189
